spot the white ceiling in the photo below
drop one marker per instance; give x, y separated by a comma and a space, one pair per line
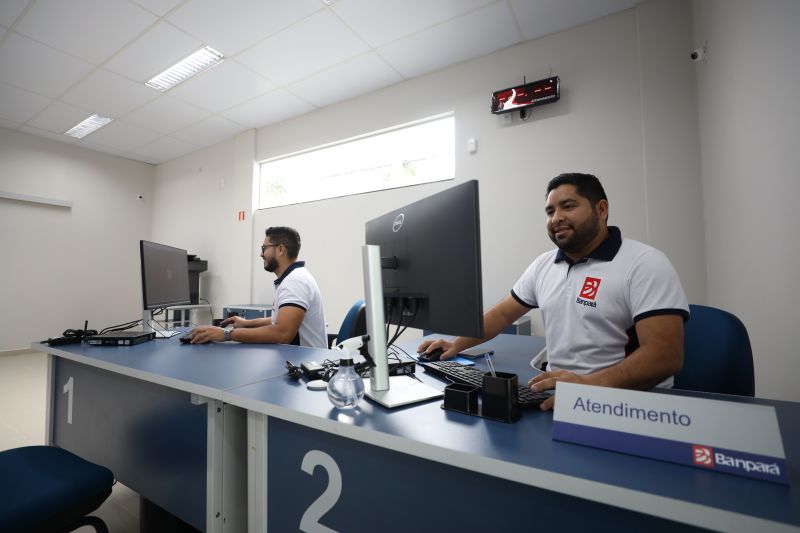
64, 60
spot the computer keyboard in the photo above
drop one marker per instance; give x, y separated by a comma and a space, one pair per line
469, 375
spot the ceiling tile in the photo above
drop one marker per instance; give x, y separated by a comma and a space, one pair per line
89, 29
39, 68
384, 21
352, 78
17, 105
121, 136
159, 7
98, 147
223, 86
164, 149
49, 135
210, 131
268, 109
318, 42
166, 114
109, 94
59, 117
478, 33
237, 24
544, 17
10, 10
158, 49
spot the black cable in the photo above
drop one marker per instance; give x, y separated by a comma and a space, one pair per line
121, 327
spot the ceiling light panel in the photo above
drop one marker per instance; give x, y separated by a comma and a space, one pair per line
199, 61
79, 131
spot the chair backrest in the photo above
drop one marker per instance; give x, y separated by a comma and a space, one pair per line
717, 354
354, 323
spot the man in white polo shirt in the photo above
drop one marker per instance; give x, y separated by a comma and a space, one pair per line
297, 313
613, 308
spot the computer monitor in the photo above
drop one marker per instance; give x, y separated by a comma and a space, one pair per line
431, 262
422, 269
165, 278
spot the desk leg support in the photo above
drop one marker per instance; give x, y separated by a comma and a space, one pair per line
256, 472
214, 467
48, 419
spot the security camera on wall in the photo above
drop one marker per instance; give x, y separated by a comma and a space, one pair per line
698, 54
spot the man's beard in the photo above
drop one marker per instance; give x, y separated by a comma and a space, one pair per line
271, 265
581, 235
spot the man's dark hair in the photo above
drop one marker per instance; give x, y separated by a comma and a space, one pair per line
586, 185
288, 237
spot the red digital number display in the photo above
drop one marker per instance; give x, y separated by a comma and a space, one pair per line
531, 94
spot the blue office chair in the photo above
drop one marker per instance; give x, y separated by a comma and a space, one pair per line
354, 323
717, 354
44, 488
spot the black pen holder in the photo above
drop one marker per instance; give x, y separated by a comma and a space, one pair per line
500, 397
461, 398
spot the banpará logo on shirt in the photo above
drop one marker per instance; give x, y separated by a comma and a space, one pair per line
589, 292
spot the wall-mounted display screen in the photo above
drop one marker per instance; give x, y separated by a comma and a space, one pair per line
532, 94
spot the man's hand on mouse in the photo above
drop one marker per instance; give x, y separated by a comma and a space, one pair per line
203, 334
449, 351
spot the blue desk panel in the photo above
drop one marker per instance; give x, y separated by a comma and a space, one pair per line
132, 412
151, 437
525, 453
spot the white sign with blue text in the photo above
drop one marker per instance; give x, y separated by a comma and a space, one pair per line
735, 438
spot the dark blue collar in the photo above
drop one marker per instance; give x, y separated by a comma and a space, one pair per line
296, 264
605, 252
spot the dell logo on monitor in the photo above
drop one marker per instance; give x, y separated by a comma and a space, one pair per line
398, 222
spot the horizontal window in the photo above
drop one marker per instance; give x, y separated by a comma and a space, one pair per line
410, 154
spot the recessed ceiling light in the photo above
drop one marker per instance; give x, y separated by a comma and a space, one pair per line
204, 58
79, 131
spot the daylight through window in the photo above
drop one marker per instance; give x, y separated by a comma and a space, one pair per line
421, 152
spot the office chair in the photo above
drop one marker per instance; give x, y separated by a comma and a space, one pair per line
354, 323
45, 488
717, 354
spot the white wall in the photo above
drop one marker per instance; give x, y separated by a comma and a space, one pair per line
61, 266
750, 135
197, 200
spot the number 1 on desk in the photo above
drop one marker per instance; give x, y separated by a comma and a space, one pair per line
68, 392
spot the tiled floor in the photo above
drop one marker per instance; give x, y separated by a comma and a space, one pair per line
22, 423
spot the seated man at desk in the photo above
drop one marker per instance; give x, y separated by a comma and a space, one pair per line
613, 308
297, 316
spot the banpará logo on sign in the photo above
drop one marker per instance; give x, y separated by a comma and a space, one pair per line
703, 456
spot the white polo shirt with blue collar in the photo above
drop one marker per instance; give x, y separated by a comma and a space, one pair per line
590, 308
297, 288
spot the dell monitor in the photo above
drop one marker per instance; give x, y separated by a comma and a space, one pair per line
165, 278
431, 262
422, 269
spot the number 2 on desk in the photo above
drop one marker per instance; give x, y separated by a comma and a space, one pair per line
310, 521
68, 392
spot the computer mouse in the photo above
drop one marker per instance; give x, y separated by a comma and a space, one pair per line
316, 384
433, 355
186, 338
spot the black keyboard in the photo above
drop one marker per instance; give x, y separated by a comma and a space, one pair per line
469, 375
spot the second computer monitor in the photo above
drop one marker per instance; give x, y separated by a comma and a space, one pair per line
165, 275
431, 262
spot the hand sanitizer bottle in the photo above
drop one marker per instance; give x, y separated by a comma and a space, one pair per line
346, 387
